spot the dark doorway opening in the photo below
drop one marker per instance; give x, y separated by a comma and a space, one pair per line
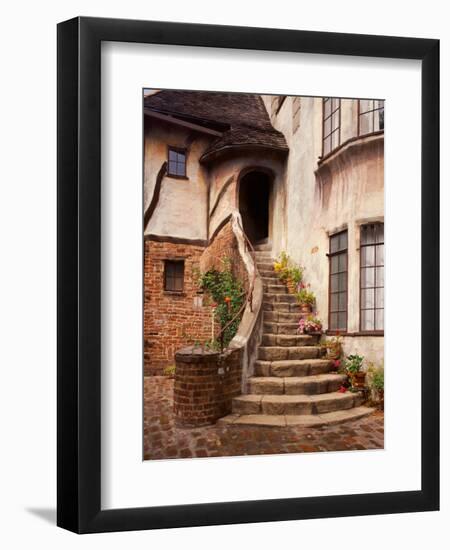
254, 197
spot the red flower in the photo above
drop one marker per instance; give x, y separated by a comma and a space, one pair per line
342, 389
227, 299
337, 363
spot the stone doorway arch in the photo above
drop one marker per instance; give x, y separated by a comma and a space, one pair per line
254, 201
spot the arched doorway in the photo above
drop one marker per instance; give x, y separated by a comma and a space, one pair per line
254, 198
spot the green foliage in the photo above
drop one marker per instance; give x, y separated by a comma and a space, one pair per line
333, 346
353, 363
376, 377
169, 370
227, 294
286, 269
305, 296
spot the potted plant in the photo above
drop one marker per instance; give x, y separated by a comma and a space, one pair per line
305, 298
353, 367
310, 325
281, 266
333, 347
294, 279
377, 384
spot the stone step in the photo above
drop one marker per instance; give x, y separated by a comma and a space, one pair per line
288, 340
267, 272
265, 266
274, 289
296, 385
262, 247
274, 280
273, 316
306, 420
295, 404
280, 328
281, 353
272, 298
281, 307
264, 255
296, 367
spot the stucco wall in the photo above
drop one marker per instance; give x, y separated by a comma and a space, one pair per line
341, 192
182, 206
228, 171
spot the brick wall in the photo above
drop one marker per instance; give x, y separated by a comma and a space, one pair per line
222, 245
205, 384
171, 321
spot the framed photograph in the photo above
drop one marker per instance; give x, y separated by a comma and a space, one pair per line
242, 214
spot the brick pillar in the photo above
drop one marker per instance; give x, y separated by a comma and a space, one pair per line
205, 384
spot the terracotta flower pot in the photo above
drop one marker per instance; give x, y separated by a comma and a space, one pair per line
359, 379
334, 352
313, 332
291, 286
306, 308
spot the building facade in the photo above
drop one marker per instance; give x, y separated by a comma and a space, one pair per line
334, 224
307, 177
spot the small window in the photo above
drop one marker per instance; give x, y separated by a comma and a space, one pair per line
371, 116
331, 131
174, 275
338, 282
177, 162
372, 277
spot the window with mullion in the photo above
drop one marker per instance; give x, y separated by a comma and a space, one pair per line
176, 162
337, 307
371, 116
372, 277
331, 130
174, 275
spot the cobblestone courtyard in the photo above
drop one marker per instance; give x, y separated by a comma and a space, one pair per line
162, 439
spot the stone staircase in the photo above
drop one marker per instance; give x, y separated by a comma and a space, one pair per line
292, 383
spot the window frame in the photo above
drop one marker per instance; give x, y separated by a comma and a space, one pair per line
332, 149
172, 261
178, 150
373, 111
330, 255
374, 331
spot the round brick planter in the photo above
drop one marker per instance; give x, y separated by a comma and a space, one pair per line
205, 384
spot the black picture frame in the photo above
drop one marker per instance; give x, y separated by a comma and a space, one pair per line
79, 281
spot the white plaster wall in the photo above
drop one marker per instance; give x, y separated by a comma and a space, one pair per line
182, 207
317, 205
232, 166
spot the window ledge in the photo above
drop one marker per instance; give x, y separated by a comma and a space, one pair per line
175, 176
175, 293
350, 143
352, 334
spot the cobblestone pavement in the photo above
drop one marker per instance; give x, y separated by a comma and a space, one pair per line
162, 439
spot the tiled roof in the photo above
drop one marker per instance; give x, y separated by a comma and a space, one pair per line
242, 117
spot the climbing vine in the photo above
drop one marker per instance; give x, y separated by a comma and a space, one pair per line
227, 294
